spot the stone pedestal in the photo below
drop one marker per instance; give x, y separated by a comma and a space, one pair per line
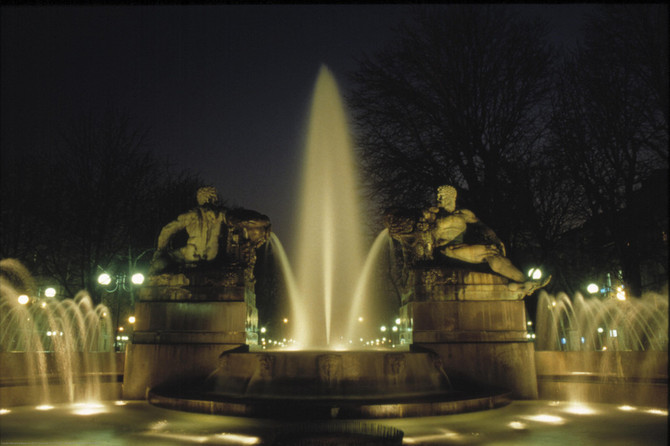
476, 323
183, 324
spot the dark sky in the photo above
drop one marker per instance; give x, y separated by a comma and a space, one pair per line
224, 89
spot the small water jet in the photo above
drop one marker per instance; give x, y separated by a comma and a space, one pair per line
64, 348
581, 324
603, 349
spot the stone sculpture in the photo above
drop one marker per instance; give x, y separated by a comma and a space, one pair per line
215, 234
203, 226
438, 233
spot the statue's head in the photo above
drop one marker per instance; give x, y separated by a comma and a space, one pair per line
446, 197
207, 195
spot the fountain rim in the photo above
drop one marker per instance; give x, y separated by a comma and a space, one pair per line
328, 408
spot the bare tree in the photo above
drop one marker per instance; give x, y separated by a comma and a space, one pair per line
460, 97
86, 203
609, 123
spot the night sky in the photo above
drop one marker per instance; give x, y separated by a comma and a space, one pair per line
224, 90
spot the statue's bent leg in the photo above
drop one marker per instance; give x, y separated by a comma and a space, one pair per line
504, 267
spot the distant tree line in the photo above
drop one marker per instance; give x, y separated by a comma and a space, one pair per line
563, 152
93, 201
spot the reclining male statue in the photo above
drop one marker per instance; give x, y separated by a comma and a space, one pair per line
450, 224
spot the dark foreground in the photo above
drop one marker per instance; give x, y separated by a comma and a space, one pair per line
520, 423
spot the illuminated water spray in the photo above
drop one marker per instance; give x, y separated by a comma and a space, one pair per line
329, 251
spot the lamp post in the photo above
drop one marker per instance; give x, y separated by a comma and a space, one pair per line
114, 283
122, 281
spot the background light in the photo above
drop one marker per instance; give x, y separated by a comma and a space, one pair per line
592, 288
104, 279
131, 319
535, 273
50, 292
23, 299
137, 278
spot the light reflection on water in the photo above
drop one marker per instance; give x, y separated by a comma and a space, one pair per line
520, 423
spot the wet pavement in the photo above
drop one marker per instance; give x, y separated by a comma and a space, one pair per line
520, 423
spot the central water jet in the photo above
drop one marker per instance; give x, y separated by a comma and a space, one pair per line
330, 252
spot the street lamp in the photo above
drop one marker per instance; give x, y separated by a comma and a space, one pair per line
592, 288
119, 282
535, 273
137, 278
105, 279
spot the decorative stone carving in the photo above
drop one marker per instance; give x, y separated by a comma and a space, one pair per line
247, 231
394, 367
266, 366
435, 236
330, 369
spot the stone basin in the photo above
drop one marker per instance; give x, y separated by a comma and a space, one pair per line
326, 374
327, 384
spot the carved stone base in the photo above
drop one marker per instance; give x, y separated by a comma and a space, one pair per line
510, 365
150, 365
432, 283
475, 323
183, 323
224, 284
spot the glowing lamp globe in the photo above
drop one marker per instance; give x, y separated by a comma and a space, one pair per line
104, 279
535, 273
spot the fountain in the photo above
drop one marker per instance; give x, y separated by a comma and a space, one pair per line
476, 333
62, 351
610, 349
462, 316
